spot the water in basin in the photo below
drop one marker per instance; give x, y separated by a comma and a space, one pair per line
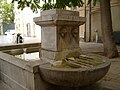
82, 61
29, 56
24, 54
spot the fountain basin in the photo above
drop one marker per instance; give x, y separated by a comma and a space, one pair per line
74, 77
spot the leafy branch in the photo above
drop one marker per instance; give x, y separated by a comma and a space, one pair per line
48, 4
7, 11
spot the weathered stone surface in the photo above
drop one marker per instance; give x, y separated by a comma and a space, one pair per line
60, 38
3, 86
72, 77
60, 32
51, 55
19, 46
17, 73
49, 38
58, 15
59, 11
59, 20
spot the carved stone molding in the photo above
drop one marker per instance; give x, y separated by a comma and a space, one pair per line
75, 32
63, 32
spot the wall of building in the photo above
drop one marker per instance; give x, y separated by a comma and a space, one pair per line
96, 26
81, 28
1, 27
116, 17
8, 27
16, 73
24, 22
96, 20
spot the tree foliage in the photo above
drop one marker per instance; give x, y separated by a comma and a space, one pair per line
33, 4
94, 2
48, 4
6, 11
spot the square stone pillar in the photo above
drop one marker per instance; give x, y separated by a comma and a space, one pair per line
60, 33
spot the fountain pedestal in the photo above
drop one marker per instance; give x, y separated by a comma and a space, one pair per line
60, 33
60, 40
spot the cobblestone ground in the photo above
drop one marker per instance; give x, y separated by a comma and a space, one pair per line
112, 79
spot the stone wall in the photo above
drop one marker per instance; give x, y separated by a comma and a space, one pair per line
5, 39
19, 74
24, 75
16, 73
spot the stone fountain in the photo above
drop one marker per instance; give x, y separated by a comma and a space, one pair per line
66, 64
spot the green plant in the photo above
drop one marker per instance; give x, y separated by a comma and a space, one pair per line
7, 11
33, 4
48, 4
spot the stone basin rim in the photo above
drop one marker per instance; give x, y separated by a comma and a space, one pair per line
102, 65
83, 77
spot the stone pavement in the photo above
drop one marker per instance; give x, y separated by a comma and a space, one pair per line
93, 47
112, 79
110, 82
10, 40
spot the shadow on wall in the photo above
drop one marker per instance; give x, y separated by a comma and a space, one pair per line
8, 27
117, 37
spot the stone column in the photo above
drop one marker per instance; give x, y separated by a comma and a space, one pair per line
1, 27
59, 33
